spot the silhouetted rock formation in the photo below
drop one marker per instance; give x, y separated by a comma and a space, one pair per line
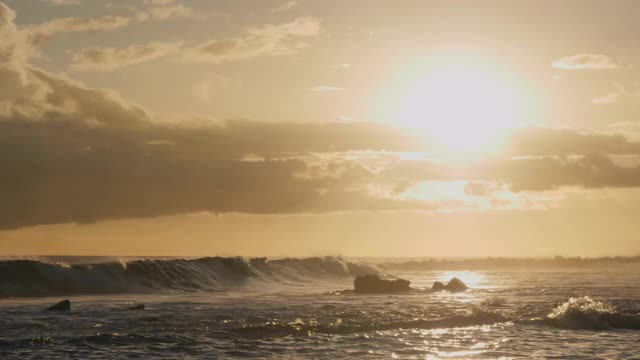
372, 284
454, 285
438, 286
136, 307
64, 305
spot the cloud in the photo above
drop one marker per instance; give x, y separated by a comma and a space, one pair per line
477, 188
564, 142
533, 174
32, 94
107, 59
585, 62
326, 88
62, 2
158, 2
346, 118
56, 27
610, 98
628, 129
262, 41
67, 170
166, 12
71, 153
267, 40
536, 159
284, 6
592, 171
617, 94
13, 55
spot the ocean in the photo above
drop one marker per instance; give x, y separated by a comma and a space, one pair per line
225, 308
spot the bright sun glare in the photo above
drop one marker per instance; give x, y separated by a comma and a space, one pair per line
461, 105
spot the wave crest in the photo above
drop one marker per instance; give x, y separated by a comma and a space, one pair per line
20, 278
589, 314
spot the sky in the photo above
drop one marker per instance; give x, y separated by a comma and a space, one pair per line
296, 128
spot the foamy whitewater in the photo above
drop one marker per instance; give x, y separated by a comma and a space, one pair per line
298, 308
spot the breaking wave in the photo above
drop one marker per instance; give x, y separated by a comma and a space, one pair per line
20, 278
589, 314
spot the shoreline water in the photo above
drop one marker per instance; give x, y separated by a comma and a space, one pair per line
298, 311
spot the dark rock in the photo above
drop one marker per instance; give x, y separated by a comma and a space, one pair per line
64, 305
454, 285
136, 307
372, 284
438, 286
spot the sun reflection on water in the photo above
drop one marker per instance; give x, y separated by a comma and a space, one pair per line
470, 278
459, 342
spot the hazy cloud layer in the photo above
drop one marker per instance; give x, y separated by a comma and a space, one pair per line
326, 88
166, 12
262, 41
161, 10
618, 93
72, 171
105, 59
284, 6
545, 141
276, 39
57, 27
76, 154
521, 174
585, 62
62, 2
158, 2
70, 153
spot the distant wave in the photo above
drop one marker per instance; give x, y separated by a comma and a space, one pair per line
21, 278
588, 314
557, 262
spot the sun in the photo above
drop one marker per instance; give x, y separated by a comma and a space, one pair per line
460, 105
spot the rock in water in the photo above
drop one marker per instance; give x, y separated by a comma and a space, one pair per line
136, 307
372, 284
64, 305
454, 285
438, 286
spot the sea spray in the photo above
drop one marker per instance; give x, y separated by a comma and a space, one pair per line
589, 314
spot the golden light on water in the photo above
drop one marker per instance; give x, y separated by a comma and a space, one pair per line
471, 278
226, 179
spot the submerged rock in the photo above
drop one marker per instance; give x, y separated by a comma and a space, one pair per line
372, 284
64, 305
454, 285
